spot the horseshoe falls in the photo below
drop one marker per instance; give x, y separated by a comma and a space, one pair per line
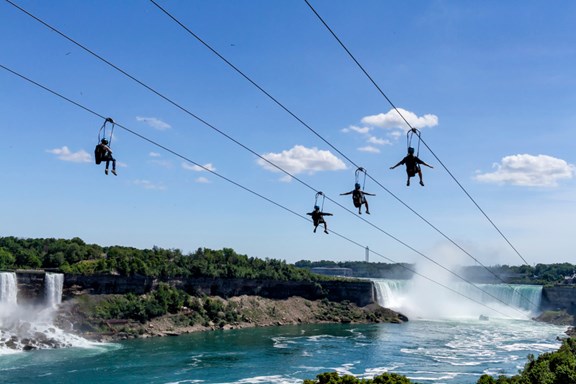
420, 298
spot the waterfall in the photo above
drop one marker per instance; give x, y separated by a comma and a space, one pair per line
459, 300
28, 326
53, 284
8, 290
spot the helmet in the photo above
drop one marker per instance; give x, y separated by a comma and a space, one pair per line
356, 186
104, 141
411, 150
316, 207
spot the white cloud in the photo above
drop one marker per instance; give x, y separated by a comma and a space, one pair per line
146, 184
378, 141
154, 123
65, 154
354, 128
393, 120
528, 171
197, 168
202, 180
301, 159
369, 148
154, 154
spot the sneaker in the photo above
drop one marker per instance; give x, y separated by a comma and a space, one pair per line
367, 212
421, 183
326, 231
106, 171
114, 172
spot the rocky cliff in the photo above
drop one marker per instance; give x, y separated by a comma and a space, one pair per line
559, 297
358, 292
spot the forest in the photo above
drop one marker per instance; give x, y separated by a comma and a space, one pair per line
76, 257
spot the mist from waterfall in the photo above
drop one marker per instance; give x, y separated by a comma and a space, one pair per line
25, 326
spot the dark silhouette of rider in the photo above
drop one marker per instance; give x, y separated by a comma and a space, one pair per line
318, 218
358, 198
412, 166
106, 155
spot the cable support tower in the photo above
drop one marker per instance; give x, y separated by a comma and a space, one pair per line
276, 101
412, 128
155, 143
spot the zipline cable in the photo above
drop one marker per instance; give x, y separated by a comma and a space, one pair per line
319, 194
326, 141
410, 126
155, 143
247, 148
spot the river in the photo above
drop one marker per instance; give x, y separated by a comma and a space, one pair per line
426, 351
445, 341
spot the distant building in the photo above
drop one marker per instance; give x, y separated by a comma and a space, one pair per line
570, 279
332, 271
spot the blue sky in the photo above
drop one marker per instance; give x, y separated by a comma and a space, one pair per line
490, 85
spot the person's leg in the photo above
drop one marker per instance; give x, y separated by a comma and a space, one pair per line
114, 166
367, 209
420, 175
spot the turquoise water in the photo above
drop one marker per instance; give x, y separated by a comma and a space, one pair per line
449, 351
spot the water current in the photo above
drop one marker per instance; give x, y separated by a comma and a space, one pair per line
427, 349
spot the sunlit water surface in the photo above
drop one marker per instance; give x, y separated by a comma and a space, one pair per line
426, 351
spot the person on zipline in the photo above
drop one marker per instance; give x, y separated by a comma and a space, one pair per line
104, 153
412, 166
318, 218
358, 198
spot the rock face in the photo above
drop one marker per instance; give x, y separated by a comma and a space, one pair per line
559, 297
358, 292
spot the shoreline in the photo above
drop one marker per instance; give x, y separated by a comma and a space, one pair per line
254, 311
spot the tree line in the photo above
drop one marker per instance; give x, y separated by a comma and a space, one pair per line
76, 257
542, 274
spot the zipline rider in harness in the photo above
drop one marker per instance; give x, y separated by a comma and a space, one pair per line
102, 152
412, 166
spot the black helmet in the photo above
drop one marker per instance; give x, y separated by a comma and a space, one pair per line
104, 141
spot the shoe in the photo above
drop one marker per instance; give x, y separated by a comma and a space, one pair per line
421, 183
408, 183
106, 171
326, 231
114, 172
367, 212
314, 230
359, 212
